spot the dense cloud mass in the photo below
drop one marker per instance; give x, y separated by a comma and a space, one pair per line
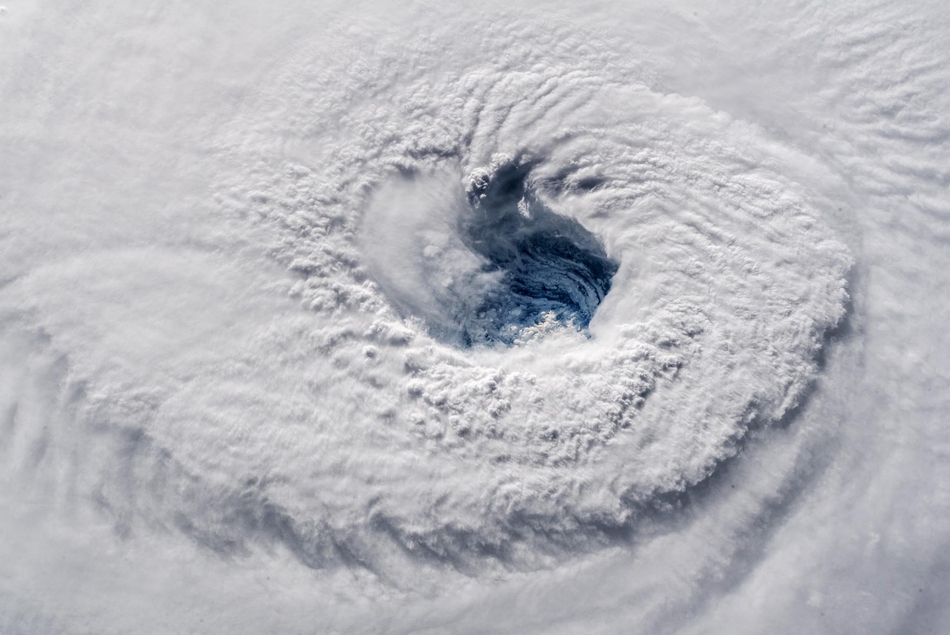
366, 318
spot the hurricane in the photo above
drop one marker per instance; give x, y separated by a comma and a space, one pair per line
374, 317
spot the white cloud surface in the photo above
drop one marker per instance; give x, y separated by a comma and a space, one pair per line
233, 237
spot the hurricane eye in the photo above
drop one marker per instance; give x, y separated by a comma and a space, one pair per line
492, 265
551, 267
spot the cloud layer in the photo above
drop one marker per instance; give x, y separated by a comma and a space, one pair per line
258, 316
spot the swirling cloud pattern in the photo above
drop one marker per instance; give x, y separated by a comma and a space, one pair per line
356, 318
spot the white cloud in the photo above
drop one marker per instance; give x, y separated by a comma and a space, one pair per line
222, 299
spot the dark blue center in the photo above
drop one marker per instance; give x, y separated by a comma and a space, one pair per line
550, 264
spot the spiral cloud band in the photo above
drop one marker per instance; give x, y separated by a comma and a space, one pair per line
364, 318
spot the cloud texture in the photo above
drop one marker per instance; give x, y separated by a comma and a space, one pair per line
483, 320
